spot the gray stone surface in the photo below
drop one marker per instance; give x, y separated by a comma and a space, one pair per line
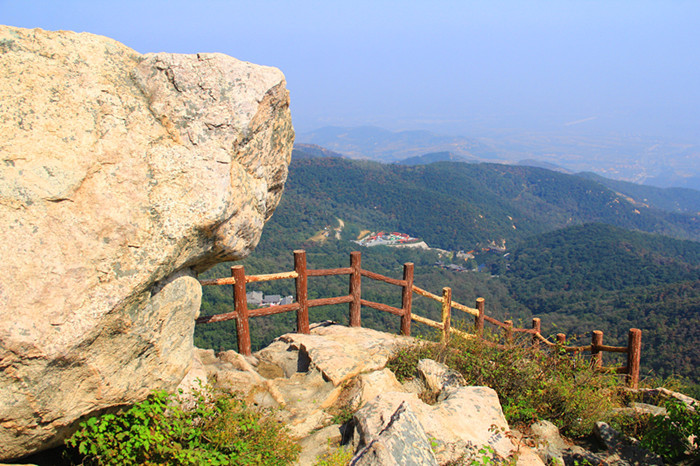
123, 176
625, 449
467, 419
656, 395
635, 409
401, 442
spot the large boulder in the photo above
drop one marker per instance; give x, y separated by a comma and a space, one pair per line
122, 176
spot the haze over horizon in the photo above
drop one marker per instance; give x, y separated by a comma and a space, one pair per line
498, 69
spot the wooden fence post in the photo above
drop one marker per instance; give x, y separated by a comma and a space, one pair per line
301, 282
479, 319
509, 332
634, 353
596, 353
355, 291
240, 304
446, 314
407, 298
536, 326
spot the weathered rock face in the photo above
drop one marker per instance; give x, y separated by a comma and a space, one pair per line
122, 175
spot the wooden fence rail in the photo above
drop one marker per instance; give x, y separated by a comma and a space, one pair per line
241, 314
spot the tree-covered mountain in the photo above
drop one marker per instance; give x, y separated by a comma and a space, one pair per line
460, 206
684, 200
604, 277
571, 257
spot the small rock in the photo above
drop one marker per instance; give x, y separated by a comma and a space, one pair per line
280, 359
550, 445
369, 386
656, 395
628, 450
437, 376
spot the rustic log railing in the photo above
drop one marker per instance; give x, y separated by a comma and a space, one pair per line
241, 314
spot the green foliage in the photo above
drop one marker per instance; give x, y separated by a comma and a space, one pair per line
215, 430
670, 435
341, 414
600, 277
531, 384
340, 456
404, 361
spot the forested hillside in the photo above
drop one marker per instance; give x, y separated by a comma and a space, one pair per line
682, 200
458, 205
603, 277
559, 265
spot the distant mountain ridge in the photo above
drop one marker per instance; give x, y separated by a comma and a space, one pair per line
444, 156
626, 157
369, 142
310, 151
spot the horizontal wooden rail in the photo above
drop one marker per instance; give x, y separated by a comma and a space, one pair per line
428, 322
218, 281
426, 294
270, 276
524, 330
615, 370
495, 322
329, 301
611, 349
544, 340
576, 349
250, 278
462, 334
381, 307
467, 309
271, 310
217, 318
382, 278
329, 272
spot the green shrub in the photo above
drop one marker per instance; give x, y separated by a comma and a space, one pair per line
216, 430
340, 456
531, 384
669, 435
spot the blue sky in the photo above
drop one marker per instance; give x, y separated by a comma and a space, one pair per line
457, 67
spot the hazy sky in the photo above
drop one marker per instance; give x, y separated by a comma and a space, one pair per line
458, 67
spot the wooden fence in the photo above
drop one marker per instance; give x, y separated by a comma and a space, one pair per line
300, 274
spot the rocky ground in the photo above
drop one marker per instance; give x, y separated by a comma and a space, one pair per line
333, 390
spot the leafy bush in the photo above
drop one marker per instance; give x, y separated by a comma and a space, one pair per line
531, 384
673, 436
215, 430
